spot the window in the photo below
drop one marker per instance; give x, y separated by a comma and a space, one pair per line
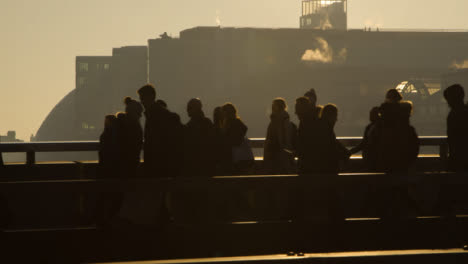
106, 66
83, 67
81, 81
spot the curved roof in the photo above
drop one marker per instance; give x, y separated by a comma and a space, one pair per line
59, 123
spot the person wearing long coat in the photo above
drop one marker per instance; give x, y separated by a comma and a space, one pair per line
280, 140
199, 142
233, 134
163, 137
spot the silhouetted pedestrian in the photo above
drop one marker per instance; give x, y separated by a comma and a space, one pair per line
108, 148
333, 156
398, 145
280, 139
398, 148
131, 137
368, 145
107, 204
312, 95
163, 149
317, 152
237, 152
457, 128
199, 136
316, 143
162, 137
199, 161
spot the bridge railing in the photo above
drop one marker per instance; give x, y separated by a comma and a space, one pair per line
78, 146
249, 197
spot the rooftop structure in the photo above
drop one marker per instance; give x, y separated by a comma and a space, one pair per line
324, 14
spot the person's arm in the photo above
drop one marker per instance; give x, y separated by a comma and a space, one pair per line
237, 132
363, 142
343, 152
357, 148
414, 145
454, 138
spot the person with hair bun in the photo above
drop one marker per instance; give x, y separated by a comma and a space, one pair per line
315, 109
315, 140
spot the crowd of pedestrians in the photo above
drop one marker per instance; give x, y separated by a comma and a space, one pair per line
205, 148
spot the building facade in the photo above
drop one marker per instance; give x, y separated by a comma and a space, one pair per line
251, 66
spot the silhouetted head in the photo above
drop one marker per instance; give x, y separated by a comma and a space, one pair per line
455, 96
330, 114
122, 118
217, 116
109, 122
278, 106
312, 96
393, 96
133, 108
194, 108
229, 111
147, 95
120, 115
303, 107
374, 114
161, 103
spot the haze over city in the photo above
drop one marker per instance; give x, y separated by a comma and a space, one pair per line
42, 38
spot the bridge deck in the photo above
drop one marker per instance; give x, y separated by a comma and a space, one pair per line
385, 256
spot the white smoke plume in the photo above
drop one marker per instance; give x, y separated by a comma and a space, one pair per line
324, 53
218, 18
459, 65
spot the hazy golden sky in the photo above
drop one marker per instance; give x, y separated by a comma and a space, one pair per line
40, 38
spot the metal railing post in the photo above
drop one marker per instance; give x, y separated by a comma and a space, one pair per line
443, 151
30, 158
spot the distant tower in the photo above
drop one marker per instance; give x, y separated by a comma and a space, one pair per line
324, 14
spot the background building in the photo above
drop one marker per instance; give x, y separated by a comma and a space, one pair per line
251, 66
